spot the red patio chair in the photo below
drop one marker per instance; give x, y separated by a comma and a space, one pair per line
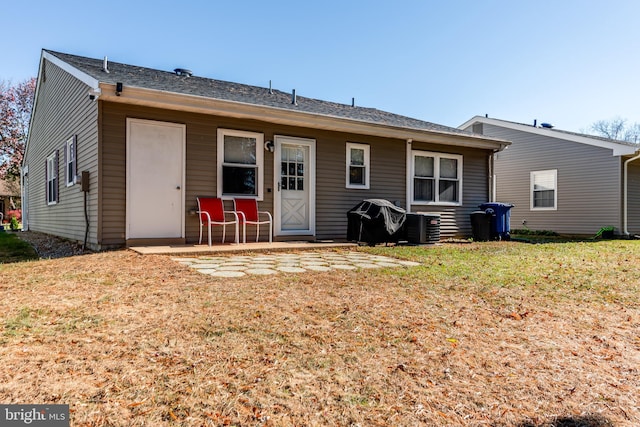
248, 213
211, 212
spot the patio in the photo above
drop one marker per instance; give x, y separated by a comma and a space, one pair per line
228, 248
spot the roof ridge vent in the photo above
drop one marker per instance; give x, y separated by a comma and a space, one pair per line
183, 72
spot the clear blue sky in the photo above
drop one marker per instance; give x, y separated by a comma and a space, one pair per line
566, 62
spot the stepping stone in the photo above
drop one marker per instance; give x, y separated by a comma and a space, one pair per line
227, 274
343, 266
365, 265
260, 271
260, 265
409, 263
317, 268
387, 264
232, 267
291, 269
209, 271
313, 262
382, 258
204, 266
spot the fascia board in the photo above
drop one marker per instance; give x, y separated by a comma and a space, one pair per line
80, 75
204, 105
617, 149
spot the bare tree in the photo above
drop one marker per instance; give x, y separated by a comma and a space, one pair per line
616, 128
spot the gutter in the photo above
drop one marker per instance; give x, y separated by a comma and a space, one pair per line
625, 195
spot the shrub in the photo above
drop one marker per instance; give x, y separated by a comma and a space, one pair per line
15, 213
14, 224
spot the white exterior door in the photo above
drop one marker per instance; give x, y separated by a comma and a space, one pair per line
155, 179
295, 183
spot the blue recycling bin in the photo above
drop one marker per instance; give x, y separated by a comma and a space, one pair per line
500, 219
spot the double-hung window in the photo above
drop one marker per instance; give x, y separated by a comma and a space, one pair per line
70, 161
436, 178
544, 190
357, 165
51, 173
240, 163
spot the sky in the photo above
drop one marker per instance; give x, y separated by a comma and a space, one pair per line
565, 62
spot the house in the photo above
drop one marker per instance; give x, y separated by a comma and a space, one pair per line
566, 182
118, 153
9, 198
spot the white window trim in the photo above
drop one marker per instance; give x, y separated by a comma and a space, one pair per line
555, 192
259, 137
52, 170
436, 165
70, 179
367, 165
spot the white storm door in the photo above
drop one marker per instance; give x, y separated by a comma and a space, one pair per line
155, 179
295, 183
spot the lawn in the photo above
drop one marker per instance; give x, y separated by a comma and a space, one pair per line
12, 249
490, 334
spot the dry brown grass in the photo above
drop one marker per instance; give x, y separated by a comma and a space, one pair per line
490, 334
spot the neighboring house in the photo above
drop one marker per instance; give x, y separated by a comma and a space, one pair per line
9, 198
562, 181
151, 141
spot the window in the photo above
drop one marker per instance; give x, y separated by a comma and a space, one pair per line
240, 163
51, 173
70, 162
437, 178
357, 165
544, 194
292, 170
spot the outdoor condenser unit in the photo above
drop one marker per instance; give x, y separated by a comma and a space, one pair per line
423, 228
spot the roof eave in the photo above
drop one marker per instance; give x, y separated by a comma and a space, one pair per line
205, 105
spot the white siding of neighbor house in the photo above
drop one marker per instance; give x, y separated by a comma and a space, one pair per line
63, 109
589, 182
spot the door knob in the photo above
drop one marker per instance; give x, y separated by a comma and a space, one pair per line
177, 187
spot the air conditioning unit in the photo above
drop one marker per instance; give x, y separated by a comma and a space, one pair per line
423, 228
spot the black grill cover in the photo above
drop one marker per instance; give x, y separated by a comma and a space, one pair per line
376, 221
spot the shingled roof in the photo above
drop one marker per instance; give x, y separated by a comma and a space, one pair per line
618, 147
148, 78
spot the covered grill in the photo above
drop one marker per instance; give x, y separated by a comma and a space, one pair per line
376, 221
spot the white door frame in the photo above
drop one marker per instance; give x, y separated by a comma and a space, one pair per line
130, 167
277, 202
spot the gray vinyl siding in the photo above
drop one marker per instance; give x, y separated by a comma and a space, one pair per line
588, 182
455, 220
333, 199
200, 166
633, 219
63, 109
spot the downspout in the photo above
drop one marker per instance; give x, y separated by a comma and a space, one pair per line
24, 170
490, 180
409, 178
625, 195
